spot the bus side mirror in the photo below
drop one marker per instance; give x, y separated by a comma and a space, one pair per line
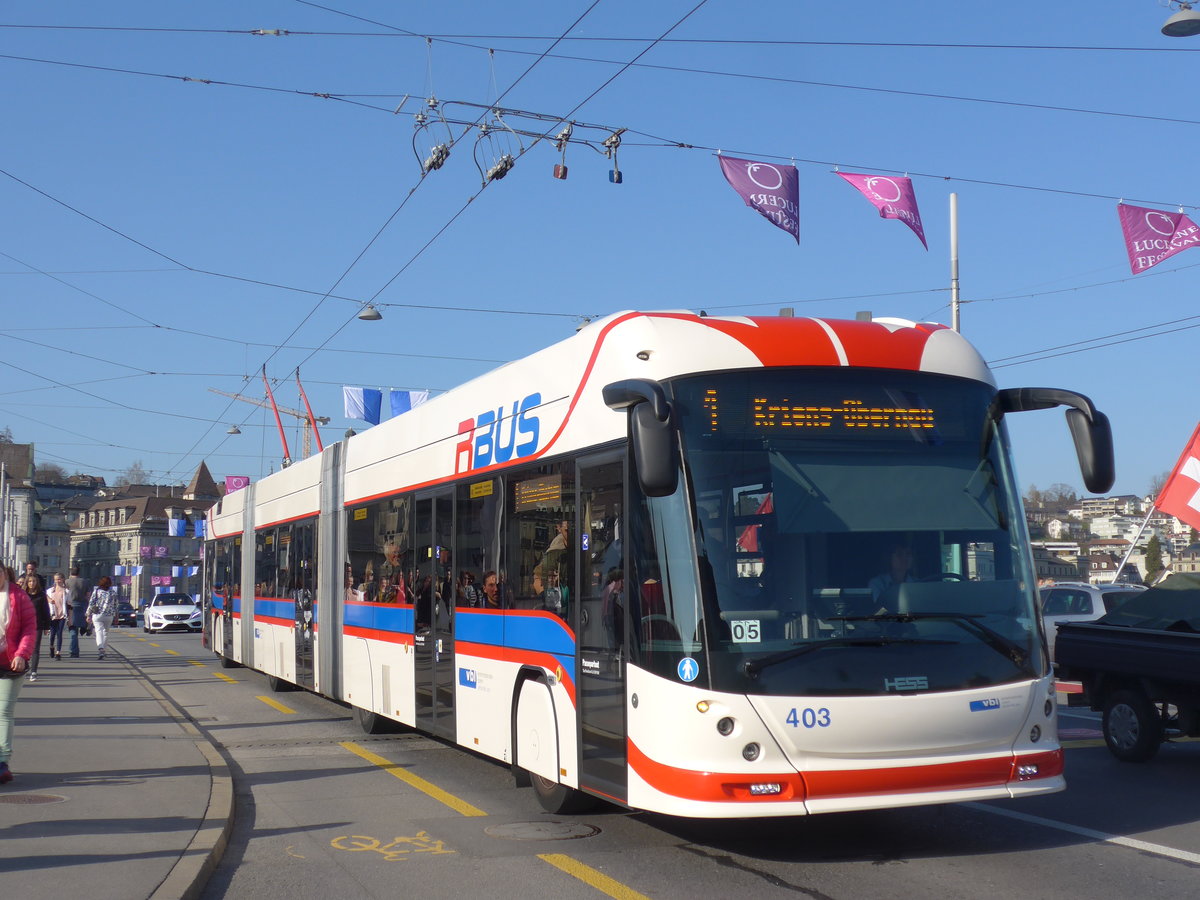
651, 431
1089, 427
1094, 447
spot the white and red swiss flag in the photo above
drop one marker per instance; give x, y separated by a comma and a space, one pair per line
1180, 496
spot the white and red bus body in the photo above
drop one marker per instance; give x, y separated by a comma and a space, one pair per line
710, 636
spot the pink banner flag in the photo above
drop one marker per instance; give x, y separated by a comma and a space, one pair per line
892, 196
774, 191
236, 483
1152, 235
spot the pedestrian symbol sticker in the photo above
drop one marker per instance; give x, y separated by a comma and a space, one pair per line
688, 669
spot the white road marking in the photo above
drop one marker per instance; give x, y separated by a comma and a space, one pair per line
1133, 843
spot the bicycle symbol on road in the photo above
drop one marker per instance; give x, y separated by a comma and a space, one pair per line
397, 848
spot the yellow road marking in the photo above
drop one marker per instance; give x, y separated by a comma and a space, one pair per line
276, 705
152, 644
196, 662
459, 806
173, 652
593, 877
225, 677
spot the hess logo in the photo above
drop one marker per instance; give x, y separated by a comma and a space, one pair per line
498, 435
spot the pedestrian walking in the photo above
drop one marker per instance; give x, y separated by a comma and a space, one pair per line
101, 608
35, 589
77, 600
57, 598
18, 627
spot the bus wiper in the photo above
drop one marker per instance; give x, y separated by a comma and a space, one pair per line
753, 666
1006, 647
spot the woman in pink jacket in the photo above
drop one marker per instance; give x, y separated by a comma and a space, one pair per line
18, 631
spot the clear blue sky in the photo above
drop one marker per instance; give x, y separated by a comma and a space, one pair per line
161, 237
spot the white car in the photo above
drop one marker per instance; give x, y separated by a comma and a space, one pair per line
166, 612
1078, 601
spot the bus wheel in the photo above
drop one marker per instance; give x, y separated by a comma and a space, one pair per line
226, 662
558, 799
1132, 727
278, 685
373, 723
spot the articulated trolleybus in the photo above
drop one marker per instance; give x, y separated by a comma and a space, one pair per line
705, 566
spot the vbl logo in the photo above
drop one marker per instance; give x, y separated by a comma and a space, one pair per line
491, 437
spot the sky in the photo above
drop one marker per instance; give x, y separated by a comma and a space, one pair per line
183, 202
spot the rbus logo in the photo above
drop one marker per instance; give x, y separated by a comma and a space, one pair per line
491, 437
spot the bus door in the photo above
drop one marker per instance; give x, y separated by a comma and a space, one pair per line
600, 587
304, 597
434, 638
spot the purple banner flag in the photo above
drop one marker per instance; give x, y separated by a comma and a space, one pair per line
892, 196
774, 191
147, 551
1152, 235
236, 483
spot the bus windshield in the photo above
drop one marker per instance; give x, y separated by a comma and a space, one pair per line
858, 532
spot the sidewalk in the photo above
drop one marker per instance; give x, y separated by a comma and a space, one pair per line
116, 794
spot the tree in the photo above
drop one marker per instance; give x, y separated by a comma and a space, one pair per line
1154, 561
50, 473
1157, 482
1033, 497
6, 435
135, 474
1059, 494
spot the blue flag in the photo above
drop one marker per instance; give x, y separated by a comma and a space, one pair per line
403, 401
362, 403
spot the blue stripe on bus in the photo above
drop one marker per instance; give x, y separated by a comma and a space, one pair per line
275, 609
546, 633
218, 602
397, 619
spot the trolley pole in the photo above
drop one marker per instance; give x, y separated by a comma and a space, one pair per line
954, 311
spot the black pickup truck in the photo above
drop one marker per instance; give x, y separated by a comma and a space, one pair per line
1140, 665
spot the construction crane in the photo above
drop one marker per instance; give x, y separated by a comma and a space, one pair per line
302, 416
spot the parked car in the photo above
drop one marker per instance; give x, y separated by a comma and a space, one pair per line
172, 612
126, 616
1078, 601
1140, 665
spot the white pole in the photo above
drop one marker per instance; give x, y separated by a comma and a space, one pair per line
954, 314
1133, 545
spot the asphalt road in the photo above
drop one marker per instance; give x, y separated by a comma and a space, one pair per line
324, 810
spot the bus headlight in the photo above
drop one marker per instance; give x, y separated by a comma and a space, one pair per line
725, 726
751, 752
1035, 734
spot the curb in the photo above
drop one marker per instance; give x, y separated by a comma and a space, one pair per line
190, 874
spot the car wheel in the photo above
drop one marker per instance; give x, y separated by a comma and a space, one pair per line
1132, 727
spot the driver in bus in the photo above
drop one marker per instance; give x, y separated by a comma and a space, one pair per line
885, 586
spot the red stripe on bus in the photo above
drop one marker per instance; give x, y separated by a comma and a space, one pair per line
276, 620
843, 784
713, 787
307, 515
524, 657
376, 634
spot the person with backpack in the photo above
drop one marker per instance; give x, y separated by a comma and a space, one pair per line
101, 610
